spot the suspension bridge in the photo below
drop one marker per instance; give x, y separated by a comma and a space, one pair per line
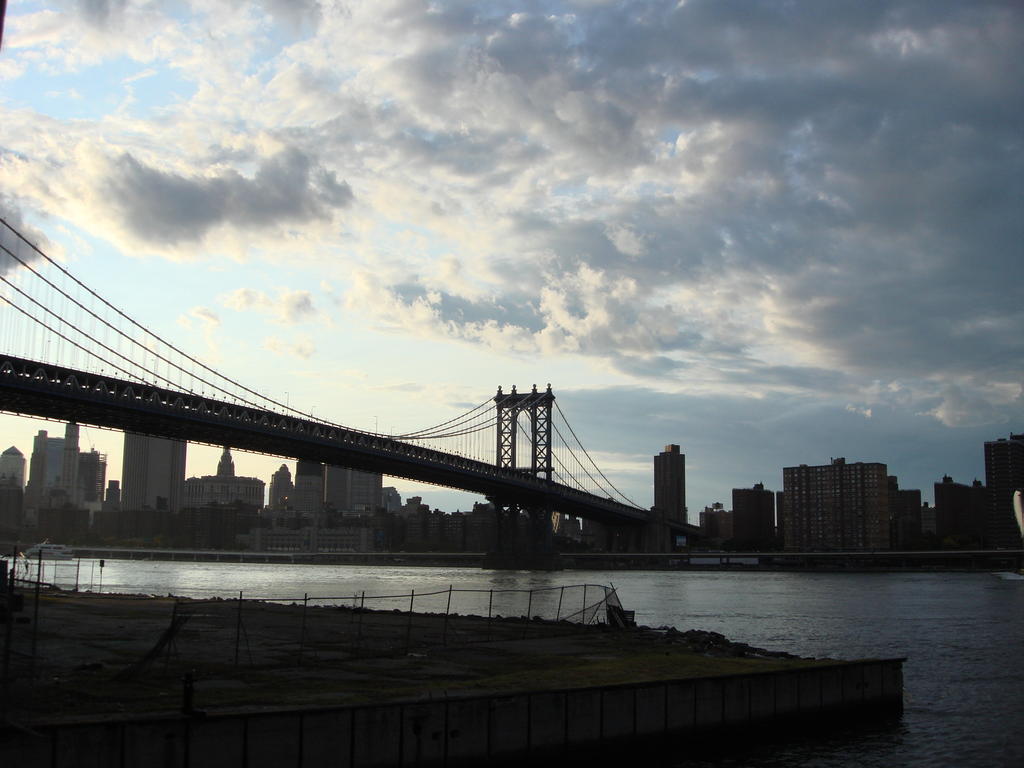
70, 355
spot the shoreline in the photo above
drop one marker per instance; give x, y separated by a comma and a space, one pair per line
124, 675
938, 561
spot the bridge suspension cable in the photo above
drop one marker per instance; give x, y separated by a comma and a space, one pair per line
586, 453
260, 400
62, 320
431, 432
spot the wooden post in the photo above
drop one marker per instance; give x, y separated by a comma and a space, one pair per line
302, 630
490, 603
447, 610
35, 615
238, 626
529, 610
408, 627
359, 629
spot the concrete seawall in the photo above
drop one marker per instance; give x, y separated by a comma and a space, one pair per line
467, 731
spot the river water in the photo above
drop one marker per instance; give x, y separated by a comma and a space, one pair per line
961, 633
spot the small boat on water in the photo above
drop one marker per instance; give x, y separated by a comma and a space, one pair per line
49, 551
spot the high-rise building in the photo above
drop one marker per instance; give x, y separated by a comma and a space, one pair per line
670, 484
12, 508
44, 471
36, 472
716, 522
92, 476
391, 499
753, 516
349, 490
1004, 474
112, 499
224, 487
904, 516
12, 467
281, 489
308, 497
54, 463
780, 523
153, 473
836, 506
961, 511
68, 481
927, 518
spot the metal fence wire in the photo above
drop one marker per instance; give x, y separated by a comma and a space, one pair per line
257, 632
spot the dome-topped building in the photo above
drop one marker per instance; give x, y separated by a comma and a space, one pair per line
224, 487
226, 465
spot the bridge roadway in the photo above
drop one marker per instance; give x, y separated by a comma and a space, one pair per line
31, 388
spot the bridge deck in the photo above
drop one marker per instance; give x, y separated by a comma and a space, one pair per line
38, 389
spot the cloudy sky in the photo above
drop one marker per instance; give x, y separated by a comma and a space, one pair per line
771, 232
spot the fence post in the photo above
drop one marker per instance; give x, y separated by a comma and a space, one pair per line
5, 700
529, 610
584, 621
447, 610
78, 567
238, 627
561, 594
302, 630
359, 630
35, 616
490, 603
408, 627
170, 644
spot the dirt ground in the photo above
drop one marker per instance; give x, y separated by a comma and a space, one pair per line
98, 655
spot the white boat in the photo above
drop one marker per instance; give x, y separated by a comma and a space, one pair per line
49, 551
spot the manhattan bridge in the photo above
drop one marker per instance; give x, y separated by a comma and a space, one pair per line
68, 354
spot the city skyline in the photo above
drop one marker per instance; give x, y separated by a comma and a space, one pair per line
722, 236
201, 459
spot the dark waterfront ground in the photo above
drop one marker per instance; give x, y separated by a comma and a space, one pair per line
962, 634
127, 655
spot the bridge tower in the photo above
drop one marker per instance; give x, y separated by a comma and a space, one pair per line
518, 412
537, 406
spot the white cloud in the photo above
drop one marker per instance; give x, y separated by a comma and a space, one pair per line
865, 412
301, 346
208, 322
287, 308
814, 200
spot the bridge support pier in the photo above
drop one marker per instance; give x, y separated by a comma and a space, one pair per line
524, 539
624, 538
657, 537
